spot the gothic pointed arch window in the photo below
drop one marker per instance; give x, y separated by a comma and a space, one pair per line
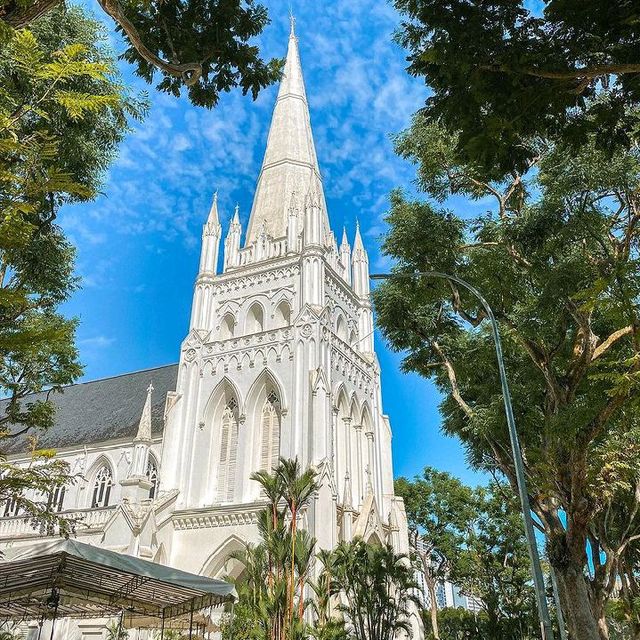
102, 487
11, 508
255, 319
341, 328
270, 432
55, 499
227, 327
152, 476
283, 314
228, 451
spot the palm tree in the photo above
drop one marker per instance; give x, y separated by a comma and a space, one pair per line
304, 547
297, 491
378, 588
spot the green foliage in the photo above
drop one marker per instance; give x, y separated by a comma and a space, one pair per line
362, 591
63, 112
475, 538
460, 624
556, 257
114, 632
506, 75
200, 46
275, 575
378, 588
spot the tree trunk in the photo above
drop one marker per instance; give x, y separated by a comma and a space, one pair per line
580, 618
431, 586
603, 627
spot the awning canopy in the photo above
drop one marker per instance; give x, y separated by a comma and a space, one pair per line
67, 578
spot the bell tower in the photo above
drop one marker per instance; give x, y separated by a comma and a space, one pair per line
280, 360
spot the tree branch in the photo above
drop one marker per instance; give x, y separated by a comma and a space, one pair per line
189, 72
453, 380
614, 337
595, 71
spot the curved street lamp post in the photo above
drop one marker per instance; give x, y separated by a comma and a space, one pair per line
536, 569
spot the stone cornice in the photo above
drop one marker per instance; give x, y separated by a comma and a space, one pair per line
219, 516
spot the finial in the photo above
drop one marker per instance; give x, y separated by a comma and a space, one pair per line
345, 240
293, 201
236, 215
347, 501
150, 389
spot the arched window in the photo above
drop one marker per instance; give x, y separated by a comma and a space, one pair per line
228, 451
227, 327
55, 499
11, 508
102, 487
341, 328
283, 314
270, 432
255, 319
152, 476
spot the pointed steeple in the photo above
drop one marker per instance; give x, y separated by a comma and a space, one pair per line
211, 233
213, 221
345, 256
232, 241
290, 161
144, 426
358, 246
360, 266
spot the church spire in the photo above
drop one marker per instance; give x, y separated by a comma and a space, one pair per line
211, 233
290, 162
360, 266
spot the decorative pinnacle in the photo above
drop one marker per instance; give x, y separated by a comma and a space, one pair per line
236, 216
292, 22
358, 246
345, 240
144, 426
213, 220
347, 501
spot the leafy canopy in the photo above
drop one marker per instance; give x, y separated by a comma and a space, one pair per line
505, 76
203, 46
473, 537
556, 256
63, 112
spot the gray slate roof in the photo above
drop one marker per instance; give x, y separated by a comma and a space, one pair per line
101, 410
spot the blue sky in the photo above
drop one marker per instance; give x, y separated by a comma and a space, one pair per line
138, 243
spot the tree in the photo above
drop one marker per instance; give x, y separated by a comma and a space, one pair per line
273, 585
557, 260
439, 511
203, 45
506, 76
377, 586
63, 112
475, 538
494, 568
460, 624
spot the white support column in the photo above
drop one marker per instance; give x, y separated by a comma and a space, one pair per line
359, 484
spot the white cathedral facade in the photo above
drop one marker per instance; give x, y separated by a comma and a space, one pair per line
279, 361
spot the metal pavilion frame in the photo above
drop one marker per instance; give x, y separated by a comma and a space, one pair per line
69, 579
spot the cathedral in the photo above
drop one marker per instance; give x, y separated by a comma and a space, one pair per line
278, 361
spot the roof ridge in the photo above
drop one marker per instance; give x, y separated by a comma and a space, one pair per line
120, 375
